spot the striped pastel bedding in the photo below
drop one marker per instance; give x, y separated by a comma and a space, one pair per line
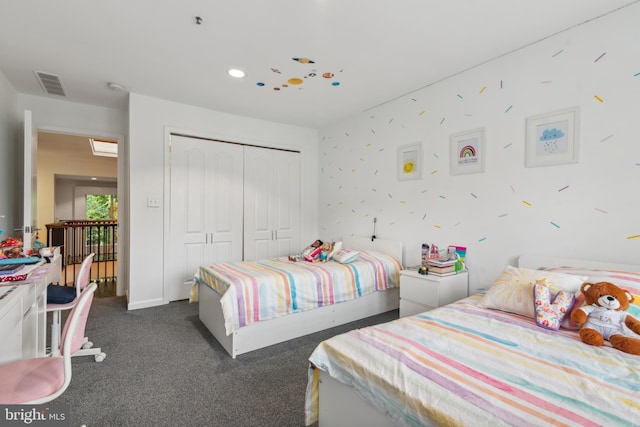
253, 291
465, 365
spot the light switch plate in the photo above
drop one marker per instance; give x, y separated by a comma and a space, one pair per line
153, 202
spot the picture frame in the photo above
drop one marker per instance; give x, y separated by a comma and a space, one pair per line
467, 152
410, 162
552, 138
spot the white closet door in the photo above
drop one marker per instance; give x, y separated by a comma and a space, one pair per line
272, 203
206, 209
287, 203
259, 190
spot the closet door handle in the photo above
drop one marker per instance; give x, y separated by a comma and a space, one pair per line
206, 238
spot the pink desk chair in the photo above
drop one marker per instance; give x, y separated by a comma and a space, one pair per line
43, 379
62, 292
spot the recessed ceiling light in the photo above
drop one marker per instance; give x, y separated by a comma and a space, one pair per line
236, 72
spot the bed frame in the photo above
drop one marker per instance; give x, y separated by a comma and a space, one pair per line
273, 331
340, 405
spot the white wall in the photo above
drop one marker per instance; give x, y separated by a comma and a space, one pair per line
151, 120
594, 204
10, 149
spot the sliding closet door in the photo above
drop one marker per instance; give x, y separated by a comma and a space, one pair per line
271, 202
206, 208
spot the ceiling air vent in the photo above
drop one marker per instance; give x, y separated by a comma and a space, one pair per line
50, 83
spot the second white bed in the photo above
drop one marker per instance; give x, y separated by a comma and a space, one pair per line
265, 333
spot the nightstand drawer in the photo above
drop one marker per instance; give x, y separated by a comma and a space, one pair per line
420, 290
409, 308
420, 293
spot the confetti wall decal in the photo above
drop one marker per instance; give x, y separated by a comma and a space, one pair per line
598, 58
362, 151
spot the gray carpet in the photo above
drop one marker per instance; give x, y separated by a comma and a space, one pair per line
163, 368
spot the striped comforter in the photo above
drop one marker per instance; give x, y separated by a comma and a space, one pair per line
465, 365
253, 291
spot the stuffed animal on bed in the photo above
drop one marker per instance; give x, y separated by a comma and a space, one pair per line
603, 316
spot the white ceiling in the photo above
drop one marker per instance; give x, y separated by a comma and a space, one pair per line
377, 49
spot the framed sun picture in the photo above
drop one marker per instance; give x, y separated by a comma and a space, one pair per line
552, 138
410, 161
467, 152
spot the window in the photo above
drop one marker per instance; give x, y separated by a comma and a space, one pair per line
102, 206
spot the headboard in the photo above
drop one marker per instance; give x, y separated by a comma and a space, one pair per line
537, 261
390, 247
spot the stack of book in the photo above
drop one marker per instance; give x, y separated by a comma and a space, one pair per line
441, 266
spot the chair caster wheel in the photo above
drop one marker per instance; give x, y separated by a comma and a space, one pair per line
99, 357
87, 345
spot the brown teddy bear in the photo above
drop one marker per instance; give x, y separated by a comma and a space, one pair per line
603, 315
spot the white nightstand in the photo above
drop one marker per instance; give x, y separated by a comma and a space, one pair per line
420, 293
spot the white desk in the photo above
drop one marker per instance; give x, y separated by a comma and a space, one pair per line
23, 315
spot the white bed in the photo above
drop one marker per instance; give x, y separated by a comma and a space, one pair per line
265, 333
340, 404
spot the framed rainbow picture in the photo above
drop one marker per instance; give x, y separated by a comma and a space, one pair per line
467, 152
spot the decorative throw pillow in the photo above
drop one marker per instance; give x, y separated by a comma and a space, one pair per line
336, 247
513, 289
549, 313
345, 256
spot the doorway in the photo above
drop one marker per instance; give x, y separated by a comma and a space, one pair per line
68, 169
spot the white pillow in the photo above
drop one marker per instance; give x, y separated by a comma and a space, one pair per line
513, 289
345, 256
336, 247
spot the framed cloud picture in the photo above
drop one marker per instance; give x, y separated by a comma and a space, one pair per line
410, 161
552, 138
467, 152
